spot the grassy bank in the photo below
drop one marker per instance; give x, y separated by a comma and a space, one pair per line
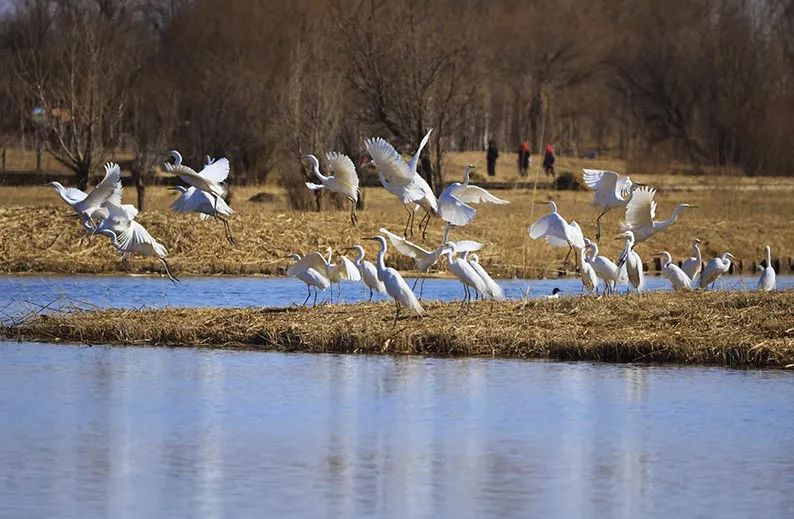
729, 329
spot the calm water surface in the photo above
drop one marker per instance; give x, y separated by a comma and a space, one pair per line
137, 432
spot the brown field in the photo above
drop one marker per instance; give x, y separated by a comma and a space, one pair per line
736, 214
730, 329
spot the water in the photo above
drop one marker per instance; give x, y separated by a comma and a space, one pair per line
24, 293
137, 432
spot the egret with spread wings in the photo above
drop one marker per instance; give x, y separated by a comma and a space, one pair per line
313, 277
556, 231
611, 190
89, 206
210, 179
194, 200
343, 181
453, 204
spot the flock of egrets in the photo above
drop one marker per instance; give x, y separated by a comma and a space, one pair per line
101, 212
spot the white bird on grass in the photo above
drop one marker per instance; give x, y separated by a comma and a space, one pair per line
587, 272
209, 179
605, 268
345, 270
313, 278
556, 231
611, 190
344, 180
640, 214
395, 285
194, 200
493, 290
693, 265
633, 263
89, 206
368, 271
466, 274
453, 204
714, 269
674, 274
766, 283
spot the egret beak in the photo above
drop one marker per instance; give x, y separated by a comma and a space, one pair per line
693, 206
541, 203
371, 239
697, 240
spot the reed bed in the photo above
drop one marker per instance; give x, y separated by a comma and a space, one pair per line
728, 329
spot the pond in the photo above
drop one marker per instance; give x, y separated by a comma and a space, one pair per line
145, 432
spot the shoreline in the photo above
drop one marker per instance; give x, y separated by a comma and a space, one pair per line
743, 330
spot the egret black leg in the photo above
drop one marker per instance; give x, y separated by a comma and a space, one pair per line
370, 294
308, 294
168, 271
396, 314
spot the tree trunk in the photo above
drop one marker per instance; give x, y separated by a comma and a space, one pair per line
82, 171
535, 112
140, 188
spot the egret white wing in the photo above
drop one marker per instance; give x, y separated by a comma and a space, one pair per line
477, 195
454, 211
344, 170
217, 171
540, 226
349, 269
74, 195
135, 237
468, 246
404, 246
598, 179
314, 260
105, 188
415, 159
641, 209
388, 161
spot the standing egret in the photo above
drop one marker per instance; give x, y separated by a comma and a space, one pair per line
692, 265
453, 204
633, 262
368, 271
344, 180
605, 268
395, 285
345, 270
766, 283
88, 206
588, 273
209, 179
556, 231
611, 190
492, 287
640, 214
674, 274
465, 274
714, 269
194, 200
307, 271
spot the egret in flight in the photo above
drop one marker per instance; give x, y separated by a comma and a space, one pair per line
453, 204
557, 231
344, 180
611, 190
633, 263
306, 272
493, 290
605, 268
210, 179
766, 283
693, 264
194, 200
89, 206
466, 274
675, 275
714, 269
395, 285
640, 214
368, 271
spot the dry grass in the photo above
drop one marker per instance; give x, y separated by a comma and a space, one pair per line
730, 329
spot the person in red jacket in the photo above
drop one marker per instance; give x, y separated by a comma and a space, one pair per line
548, 160
523, 158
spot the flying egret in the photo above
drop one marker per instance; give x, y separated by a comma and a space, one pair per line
587, 272
465, 273
130, 237
313, 277
611, 190
640, 214
766, 283
492, 287
453, 204
209, 179
395, 285
692, 265
88, 206
368, 271
605, 268
674, 274
344, 180
633, 262
194, 200
714, 269
556, 231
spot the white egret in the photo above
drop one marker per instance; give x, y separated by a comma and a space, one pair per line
465, 274
674, 274
611, 190
587, 272
640, 214
714, 269
88, 206
368, 271
493, 290
194, 200
605, 268
130, 237
453, 204
209, 179
461, 245
344, 180
693, 265
345, 270
633, 262
556, 231
395, 285
306, 272
766, 283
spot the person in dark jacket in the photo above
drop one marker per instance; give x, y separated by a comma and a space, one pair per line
523, 158
548, 160
491, 155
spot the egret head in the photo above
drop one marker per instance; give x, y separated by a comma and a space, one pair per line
176, 156
626, 236
379, 239
729, 256
666, 258
294, 256
467, 173
313, 161
551, 205
474, 258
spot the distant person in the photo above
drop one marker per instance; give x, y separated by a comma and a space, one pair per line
523, 158
491, 155
548, 160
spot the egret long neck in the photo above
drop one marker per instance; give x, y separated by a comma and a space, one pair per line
382, 256
768, 256
698, 255
670, 221
359, 253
